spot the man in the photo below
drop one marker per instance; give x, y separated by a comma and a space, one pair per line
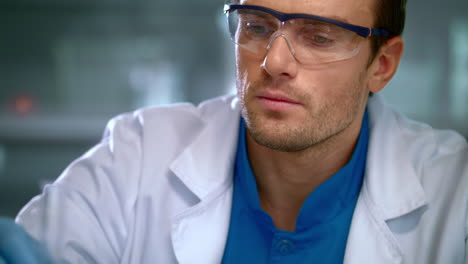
301, 167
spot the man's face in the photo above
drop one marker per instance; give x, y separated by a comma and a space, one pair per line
289, 107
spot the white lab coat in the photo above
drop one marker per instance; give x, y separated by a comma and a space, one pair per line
158, 189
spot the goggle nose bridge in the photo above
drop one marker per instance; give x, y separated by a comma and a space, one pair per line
279, 33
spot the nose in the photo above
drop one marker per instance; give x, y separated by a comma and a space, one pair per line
279, 59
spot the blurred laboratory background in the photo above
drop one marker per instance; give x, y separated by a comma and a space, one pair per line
66, 67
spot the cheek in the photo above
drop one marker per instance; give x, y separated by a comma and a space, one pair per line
347, 76
248, 70
334, 87
327, 83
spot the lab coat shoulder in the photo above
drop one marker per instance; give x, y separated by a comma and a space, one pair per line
407, 151
99, 209
443, 175
444, 178
439, 157
415, 190
83, 216
185, 184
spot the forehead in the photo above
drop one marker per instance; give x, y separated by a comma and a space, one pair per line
358, 12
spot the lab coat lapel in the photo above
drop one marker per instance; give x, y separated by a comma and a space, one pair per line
391, 189
206, 168
199, 233
369, 239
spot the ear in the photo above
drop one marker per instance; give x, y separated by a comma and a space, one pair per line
385, 64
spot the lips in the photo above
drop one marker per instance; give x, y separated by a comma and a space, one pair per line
277, 98
276, 102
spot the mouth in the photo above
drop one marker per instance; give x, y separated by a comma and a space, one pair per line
277, 98
277, 102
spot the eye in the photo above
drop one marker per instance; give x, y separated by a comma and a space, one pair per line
317, 34
257, 28
318, 39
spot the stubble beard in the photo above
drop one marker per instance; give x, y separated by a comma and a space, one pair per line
317, 129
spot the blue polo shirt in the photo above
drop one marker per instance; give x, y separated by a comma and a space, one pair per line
323, 223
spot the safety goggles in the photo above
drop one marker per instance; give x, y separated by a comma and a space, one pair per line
311, 39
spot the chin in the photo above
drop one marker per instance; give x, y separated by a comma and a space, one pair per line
277, 134
292, 133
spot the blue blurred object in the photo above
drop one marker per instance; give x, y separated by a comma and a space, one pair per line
16, 246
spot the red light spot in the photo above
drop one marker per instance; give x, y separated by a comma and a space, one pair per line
23, 105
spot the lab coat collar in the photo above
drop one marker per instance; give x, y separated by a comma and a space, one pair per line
206, 168
391, 180
391, 188
207, 164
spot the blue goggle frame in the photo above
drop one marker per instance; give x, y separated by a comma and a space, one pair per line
283, 17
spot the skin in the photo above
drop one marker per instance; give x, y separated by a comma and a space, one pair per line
294, 147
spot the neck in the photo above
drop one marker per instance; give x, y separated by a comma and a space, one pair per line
286, 179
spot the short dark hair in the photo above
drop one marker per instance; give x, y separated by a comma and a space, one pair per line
390, 15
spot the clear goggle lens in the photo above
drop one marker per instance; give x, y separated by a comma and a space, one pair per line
311, 41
